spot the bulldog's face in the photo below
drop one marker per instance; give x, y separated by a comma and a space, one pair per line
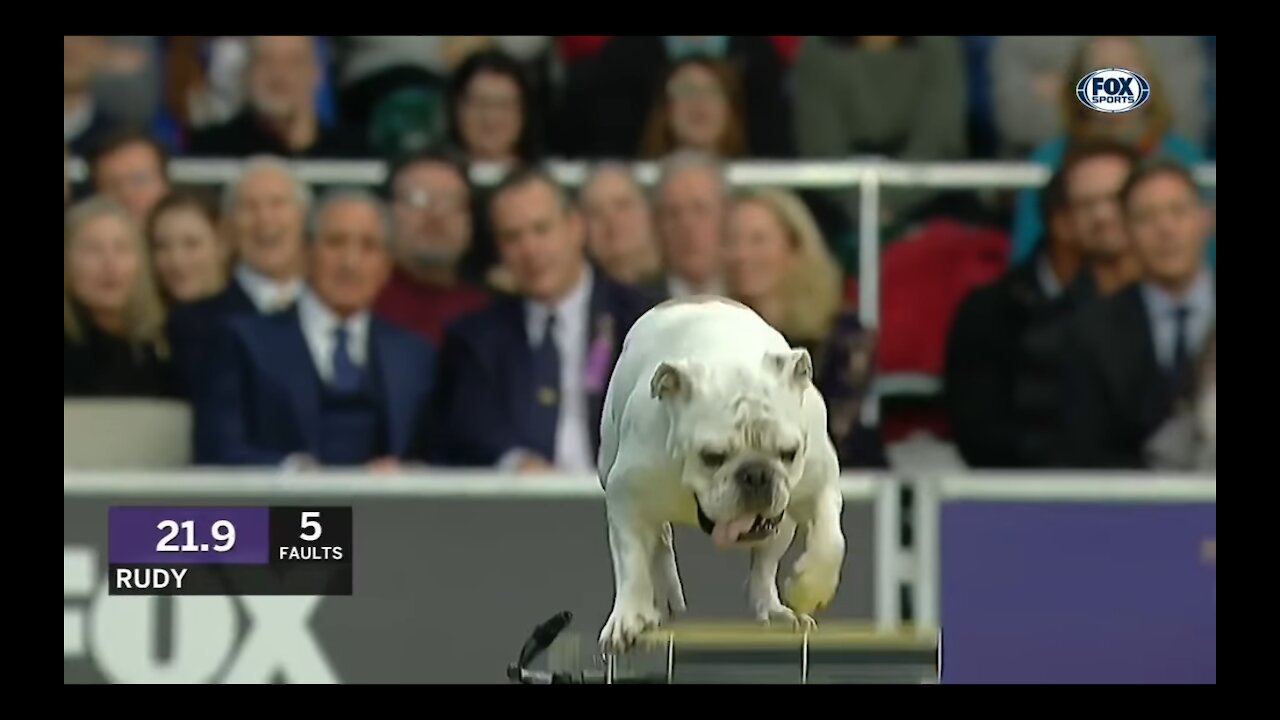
738, 433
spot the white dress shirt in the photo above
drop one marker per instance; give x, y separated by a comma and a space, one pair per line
266, 294
573, 324
1161, 306
318, 326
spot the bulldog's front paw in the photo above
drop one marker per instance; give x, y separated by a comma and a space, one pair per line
812, 585
625, 625
786, 617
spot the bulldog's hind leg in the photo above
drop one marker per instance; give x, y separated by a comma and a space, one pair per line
668, 593
762, 581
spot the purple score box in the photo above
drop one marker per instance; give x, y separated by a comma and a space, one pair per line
136, 535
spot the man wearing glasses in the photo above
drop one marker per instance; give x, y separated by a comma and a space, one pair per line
431, 201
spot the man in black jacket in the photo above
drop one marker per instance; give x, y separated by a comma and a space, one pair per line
1005, 371
986, 364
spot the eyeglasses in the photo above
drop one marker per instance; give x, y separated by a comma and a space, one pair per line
423, 199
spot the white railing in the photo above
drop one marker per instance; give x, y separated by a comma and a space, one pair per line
479, 484
806, 174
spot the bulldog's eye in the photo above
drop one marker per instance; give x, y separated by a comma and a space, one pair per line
711, 458
788, 455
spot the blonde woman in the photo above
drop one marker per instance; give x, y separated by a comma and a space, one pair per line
777, 263
113, 319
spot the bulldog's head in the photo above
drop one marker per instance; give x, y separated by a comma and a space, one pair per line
738, 432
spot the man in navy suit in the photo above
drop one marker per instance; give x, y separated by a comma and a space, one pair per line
522, 382
265, 210
1131, 355
324, 382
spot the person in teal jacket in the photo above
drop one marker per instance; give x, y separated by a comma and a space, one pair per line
1146, 127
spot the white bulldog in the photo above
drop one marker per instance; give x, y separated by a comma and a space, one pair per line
711, 419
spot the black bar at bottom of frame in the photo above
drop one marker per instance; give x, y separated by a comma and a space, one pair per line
222, 579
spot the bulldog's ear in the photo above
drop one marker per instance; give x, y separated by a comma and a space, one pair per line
671, 380
796, 366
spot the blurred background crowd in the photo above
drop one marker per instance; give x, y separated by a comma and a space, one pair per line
432, 320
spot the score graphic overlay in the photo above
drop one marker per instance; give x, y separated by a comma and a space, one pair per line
229, 550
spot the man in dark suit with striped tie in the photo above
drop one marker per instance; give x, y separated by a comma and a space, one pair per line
324, 382
1130, 355
522, 382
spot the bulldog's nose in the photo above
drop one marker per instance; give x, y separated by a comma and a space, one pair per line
754, 477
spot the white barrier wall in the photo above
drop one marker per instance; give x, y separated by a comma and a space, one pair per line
1081, 579
453, 570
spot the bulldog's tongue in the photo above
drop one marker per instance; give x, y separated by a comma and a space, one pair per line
726, 534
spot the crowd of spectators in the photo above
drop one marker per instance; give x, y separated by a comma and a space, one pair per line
434, 321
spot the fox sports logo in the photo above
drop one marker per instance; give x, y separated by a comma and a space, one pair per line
1113, 90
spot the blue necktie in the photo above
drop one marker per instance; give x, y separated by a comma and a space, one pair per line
346, 376
1179, 370
545, 413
